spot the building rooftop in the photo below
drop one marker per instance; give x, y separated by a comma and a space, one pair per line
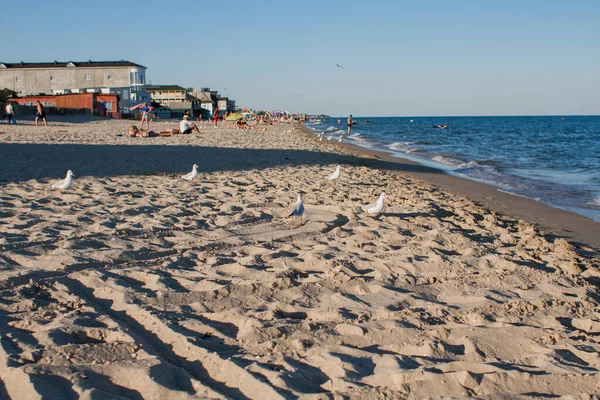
61, 64
165, 87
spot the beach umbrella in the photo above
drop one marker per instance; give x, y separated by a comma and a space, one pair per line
235, 117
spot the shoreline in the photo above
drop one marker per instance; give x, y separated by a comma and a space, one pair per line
560, 223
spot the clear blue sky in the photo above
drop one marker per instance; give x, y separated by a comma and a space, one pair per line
527, 57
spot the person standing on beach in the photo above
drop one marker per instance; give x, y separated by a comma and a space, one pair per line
216, 116
145, 114
40, 114
10, 113
349, 124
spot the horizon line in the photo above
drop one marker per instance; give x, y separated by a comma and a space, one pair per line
469, 116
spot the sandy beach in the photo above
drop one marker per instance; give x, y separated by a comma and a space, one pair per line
136, 284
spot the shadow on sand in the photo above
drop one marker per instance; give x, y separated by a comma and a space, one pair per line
36, 161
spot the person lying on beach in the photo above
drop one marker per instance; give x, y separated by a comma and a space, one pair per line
149, 133
186, 126
133, 131
239, 124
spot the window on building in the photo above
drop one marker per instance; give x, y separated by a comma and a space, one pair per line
141, 78
20, 78
111, 77
88, 77
52, 78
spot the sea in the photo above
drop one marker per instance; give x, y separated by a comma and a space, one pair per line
552, 159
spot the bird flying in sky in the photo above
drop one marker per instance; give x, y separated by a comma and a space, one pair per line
339, 66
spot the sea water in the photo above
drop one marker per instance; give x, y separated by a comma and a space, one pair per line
552, 159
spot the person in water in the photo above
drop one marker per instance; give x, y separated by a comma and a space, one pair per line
349, 124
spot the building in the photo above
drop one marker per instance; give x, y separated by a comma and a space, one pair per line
123, 78
223, 104
166, 94
175, 98
97, 103
208, 100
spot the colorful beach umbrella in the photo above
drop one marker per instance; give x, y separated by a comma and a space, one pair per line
234, 117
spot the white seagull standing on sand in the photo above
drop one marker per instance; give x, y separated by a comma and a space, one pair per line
190, 176
297, 210
340, 139
66, 183
333, 176
374, 209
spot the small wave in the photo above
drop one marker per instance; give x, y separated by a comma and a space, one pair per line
399, 145
331, 128
402, 146
358, 138
449, 161
595, 202
518, 195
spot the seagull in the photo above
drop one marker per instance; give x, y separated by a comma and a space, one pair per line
339, 66
320, 140
340, 139
333, 176
376, 208
66, 183
297, 210
190, 176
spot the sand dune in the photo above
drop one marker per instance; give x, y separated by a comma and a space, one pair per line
137, 284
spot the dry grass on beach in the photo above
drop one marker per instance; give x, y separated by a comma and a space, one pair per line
137, 284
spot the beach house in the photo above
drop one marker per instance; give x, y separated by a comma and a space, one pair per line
175, 100
123, 78
224, 105
167, 94
208, 100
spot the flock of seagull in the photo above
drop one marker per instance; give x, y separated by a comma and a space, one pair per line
297, 211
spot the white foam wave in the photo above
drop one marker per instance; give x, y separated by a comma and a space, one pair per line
400, 146
595, 202
449, 161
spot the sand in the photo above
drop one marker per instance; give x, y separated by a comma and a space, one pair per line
137, 284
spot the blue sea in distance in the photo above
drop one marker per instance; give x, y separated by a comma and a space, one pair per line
555, 160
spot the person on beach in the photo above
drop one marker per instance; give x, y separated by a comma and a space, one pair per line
133, 131
10, 113
216, 116
40, 114
349, 124
186, 126
145, 113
